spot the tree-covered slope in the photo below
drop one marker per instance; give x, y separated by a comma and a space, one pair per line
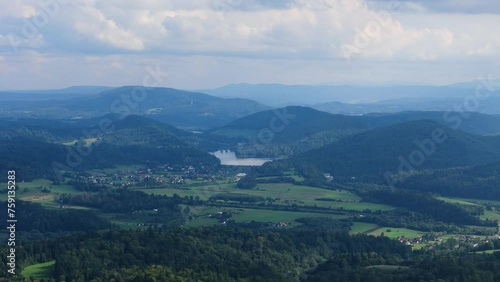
401, 147
288, 124
482, 181
131, 140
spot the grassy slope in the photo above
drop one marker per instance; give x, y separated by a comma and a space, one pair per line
40, 270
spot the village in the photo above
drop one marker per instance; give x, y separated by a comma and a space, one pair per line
156, 176
430, 241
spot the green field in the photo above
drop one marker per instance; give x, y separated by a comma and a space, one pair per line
455, 201
118, 169
293, 174
204, 192
487, 252
40, 270
361, 227
29, 191
284, 194
397, 232
491, 215
247, 215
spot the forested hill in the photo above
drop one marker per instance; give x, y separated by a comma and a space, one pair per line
375, 152
177, 107
132, 140
289, 124
304, 121
140, 130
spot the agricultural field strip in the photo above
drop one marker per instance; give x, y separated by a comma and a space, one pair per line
248, 214
287, 194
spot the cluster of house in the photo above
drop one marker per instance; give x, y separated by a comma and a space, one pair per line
224, 214
328, 177
469, 240
158, 176
475, 241
280, 224
413, 241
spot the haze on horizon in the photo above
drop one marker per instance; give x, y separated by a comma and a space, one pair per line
211, 43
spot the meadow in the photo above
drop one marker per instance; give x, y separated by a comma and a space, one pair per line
33, 191
39, 270
393, 233
284, 194
248, 214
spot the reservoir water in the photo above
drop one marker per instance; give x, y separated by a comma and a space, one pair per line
228, 157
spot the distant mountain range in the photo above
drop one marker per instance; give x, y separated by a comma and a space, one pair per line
279, 95
198, 111
51, 94
471, 122
177, 107
358, 100
487, 106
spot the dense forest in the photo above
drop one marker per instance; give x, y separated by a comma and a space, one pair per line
242, 254
428, 205
479, 182
35, 220
362, 267
206, 254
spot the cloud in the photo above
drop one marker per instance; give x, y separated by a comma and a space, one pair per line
6, 69
18, 9
293, 28
98, 27
445, 6
129, 32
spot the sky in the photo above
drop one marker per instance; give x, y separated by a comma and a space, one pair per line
205, 44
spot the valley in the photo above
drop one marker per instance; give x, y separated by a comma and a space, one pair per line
287, 170
249, 141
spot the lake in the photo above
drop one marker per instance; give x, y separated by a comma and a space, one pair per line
227, 157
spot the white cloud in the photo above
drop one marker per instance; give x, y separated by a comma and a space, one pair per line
297, 29
107, 31
5, 68
18, 8
237, 30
